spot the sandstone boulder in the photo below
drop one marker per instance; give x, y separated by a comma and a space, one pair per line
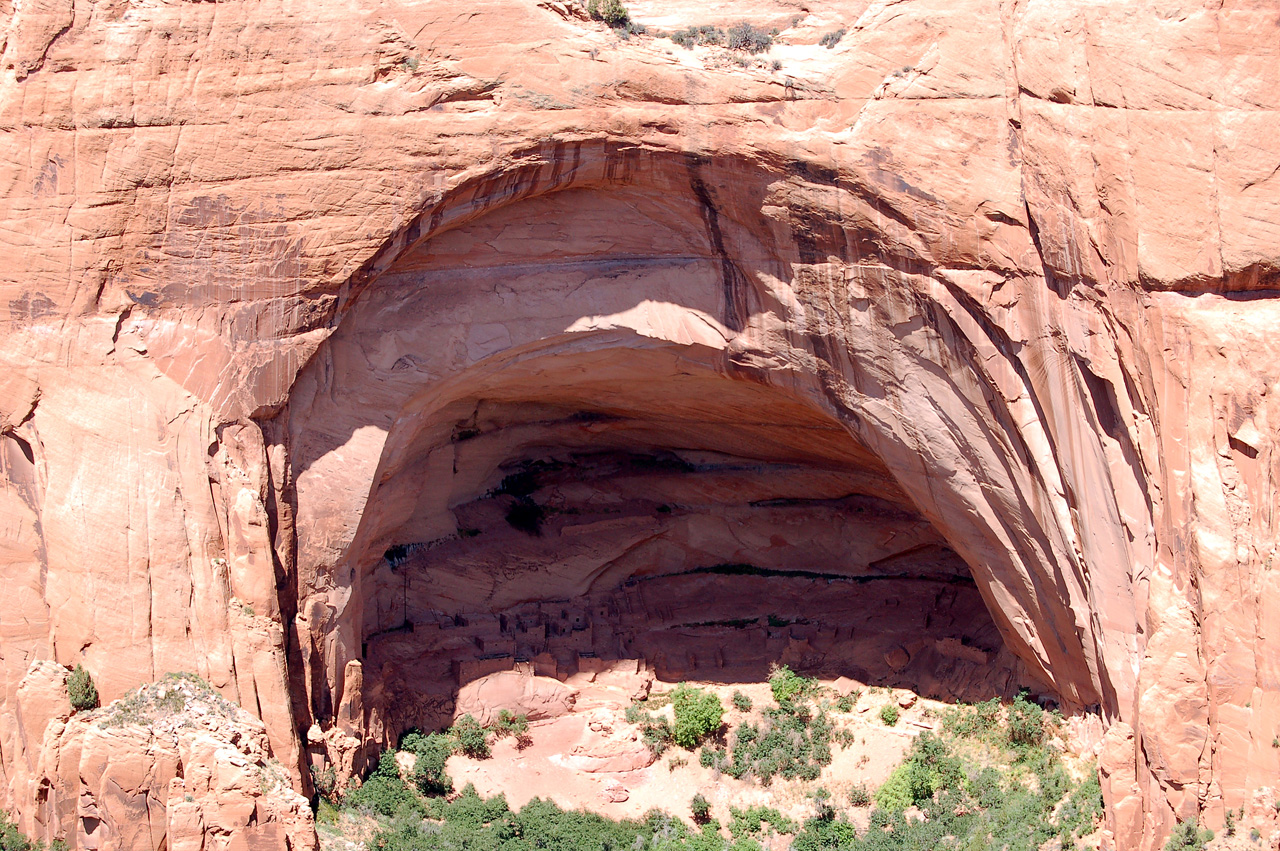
537, 698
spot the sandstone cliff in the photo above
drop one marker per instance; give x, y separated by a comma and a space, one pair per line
982, 295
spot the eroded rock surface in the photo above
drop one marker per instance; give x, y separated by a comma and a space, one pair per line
170, 765
289, 294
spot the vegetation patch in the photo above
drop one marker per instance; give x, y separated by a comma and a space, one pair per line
699, 36
791, 741
831, 39
991, 777
655, 731
749, 38
167, 700
788, 686
84, 694
698, 714
12, 839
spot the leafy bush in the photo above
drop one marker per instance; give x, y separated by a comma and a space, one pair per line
823, 834
11, 839
383, 791
324, 781
831, 39
474, 823
655, 731
929, 768
509, 724
789, 744
889, 714
84, 694
824, 810
848, 701
746, 37
978, 720
894, 795
612, 12
698, 714
1026, 722
700, 808
692, 36
859, 796
788, 686
741, 702
470, 738
1187, 838
431, 754
751, 821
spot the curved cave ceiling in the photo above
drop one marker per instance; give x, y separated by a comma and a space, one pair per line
599, 422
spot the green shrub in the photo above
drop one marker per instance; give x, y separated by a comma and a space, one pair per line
788, 686
830, 834
859, 796
751, 821
692, 36
848, 701
889, 714
476, 824
431, 755
894, 795
470, 737
789, 744
383, 791
698, 714
324, 781
513, 725
655, 731
612, 12
978, 720
1026, 722
1186, 837
741, 702
84, 694
824, 810
700, 808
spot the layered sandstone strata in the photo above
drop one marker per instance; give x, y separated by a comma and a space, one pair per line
290, 290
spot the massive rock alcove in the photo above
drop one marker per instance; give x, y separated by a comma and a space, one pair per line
601, 420
1006, 271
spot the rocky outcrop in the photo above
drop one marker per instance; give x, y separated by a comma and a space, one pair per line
171, 765
980, 299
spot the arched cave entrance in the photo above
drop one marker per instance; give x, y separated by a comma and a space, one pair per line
633, 504
597, 423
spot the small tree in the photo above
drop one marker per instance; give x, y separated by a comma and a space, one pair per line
612, 12
698, 714
746, 37
701, 809
889, 714
1026, 722
431, 755
471, 737
787, 685
84, 694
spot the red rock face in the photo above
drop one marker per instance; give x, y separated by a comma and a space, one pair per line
289, 293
